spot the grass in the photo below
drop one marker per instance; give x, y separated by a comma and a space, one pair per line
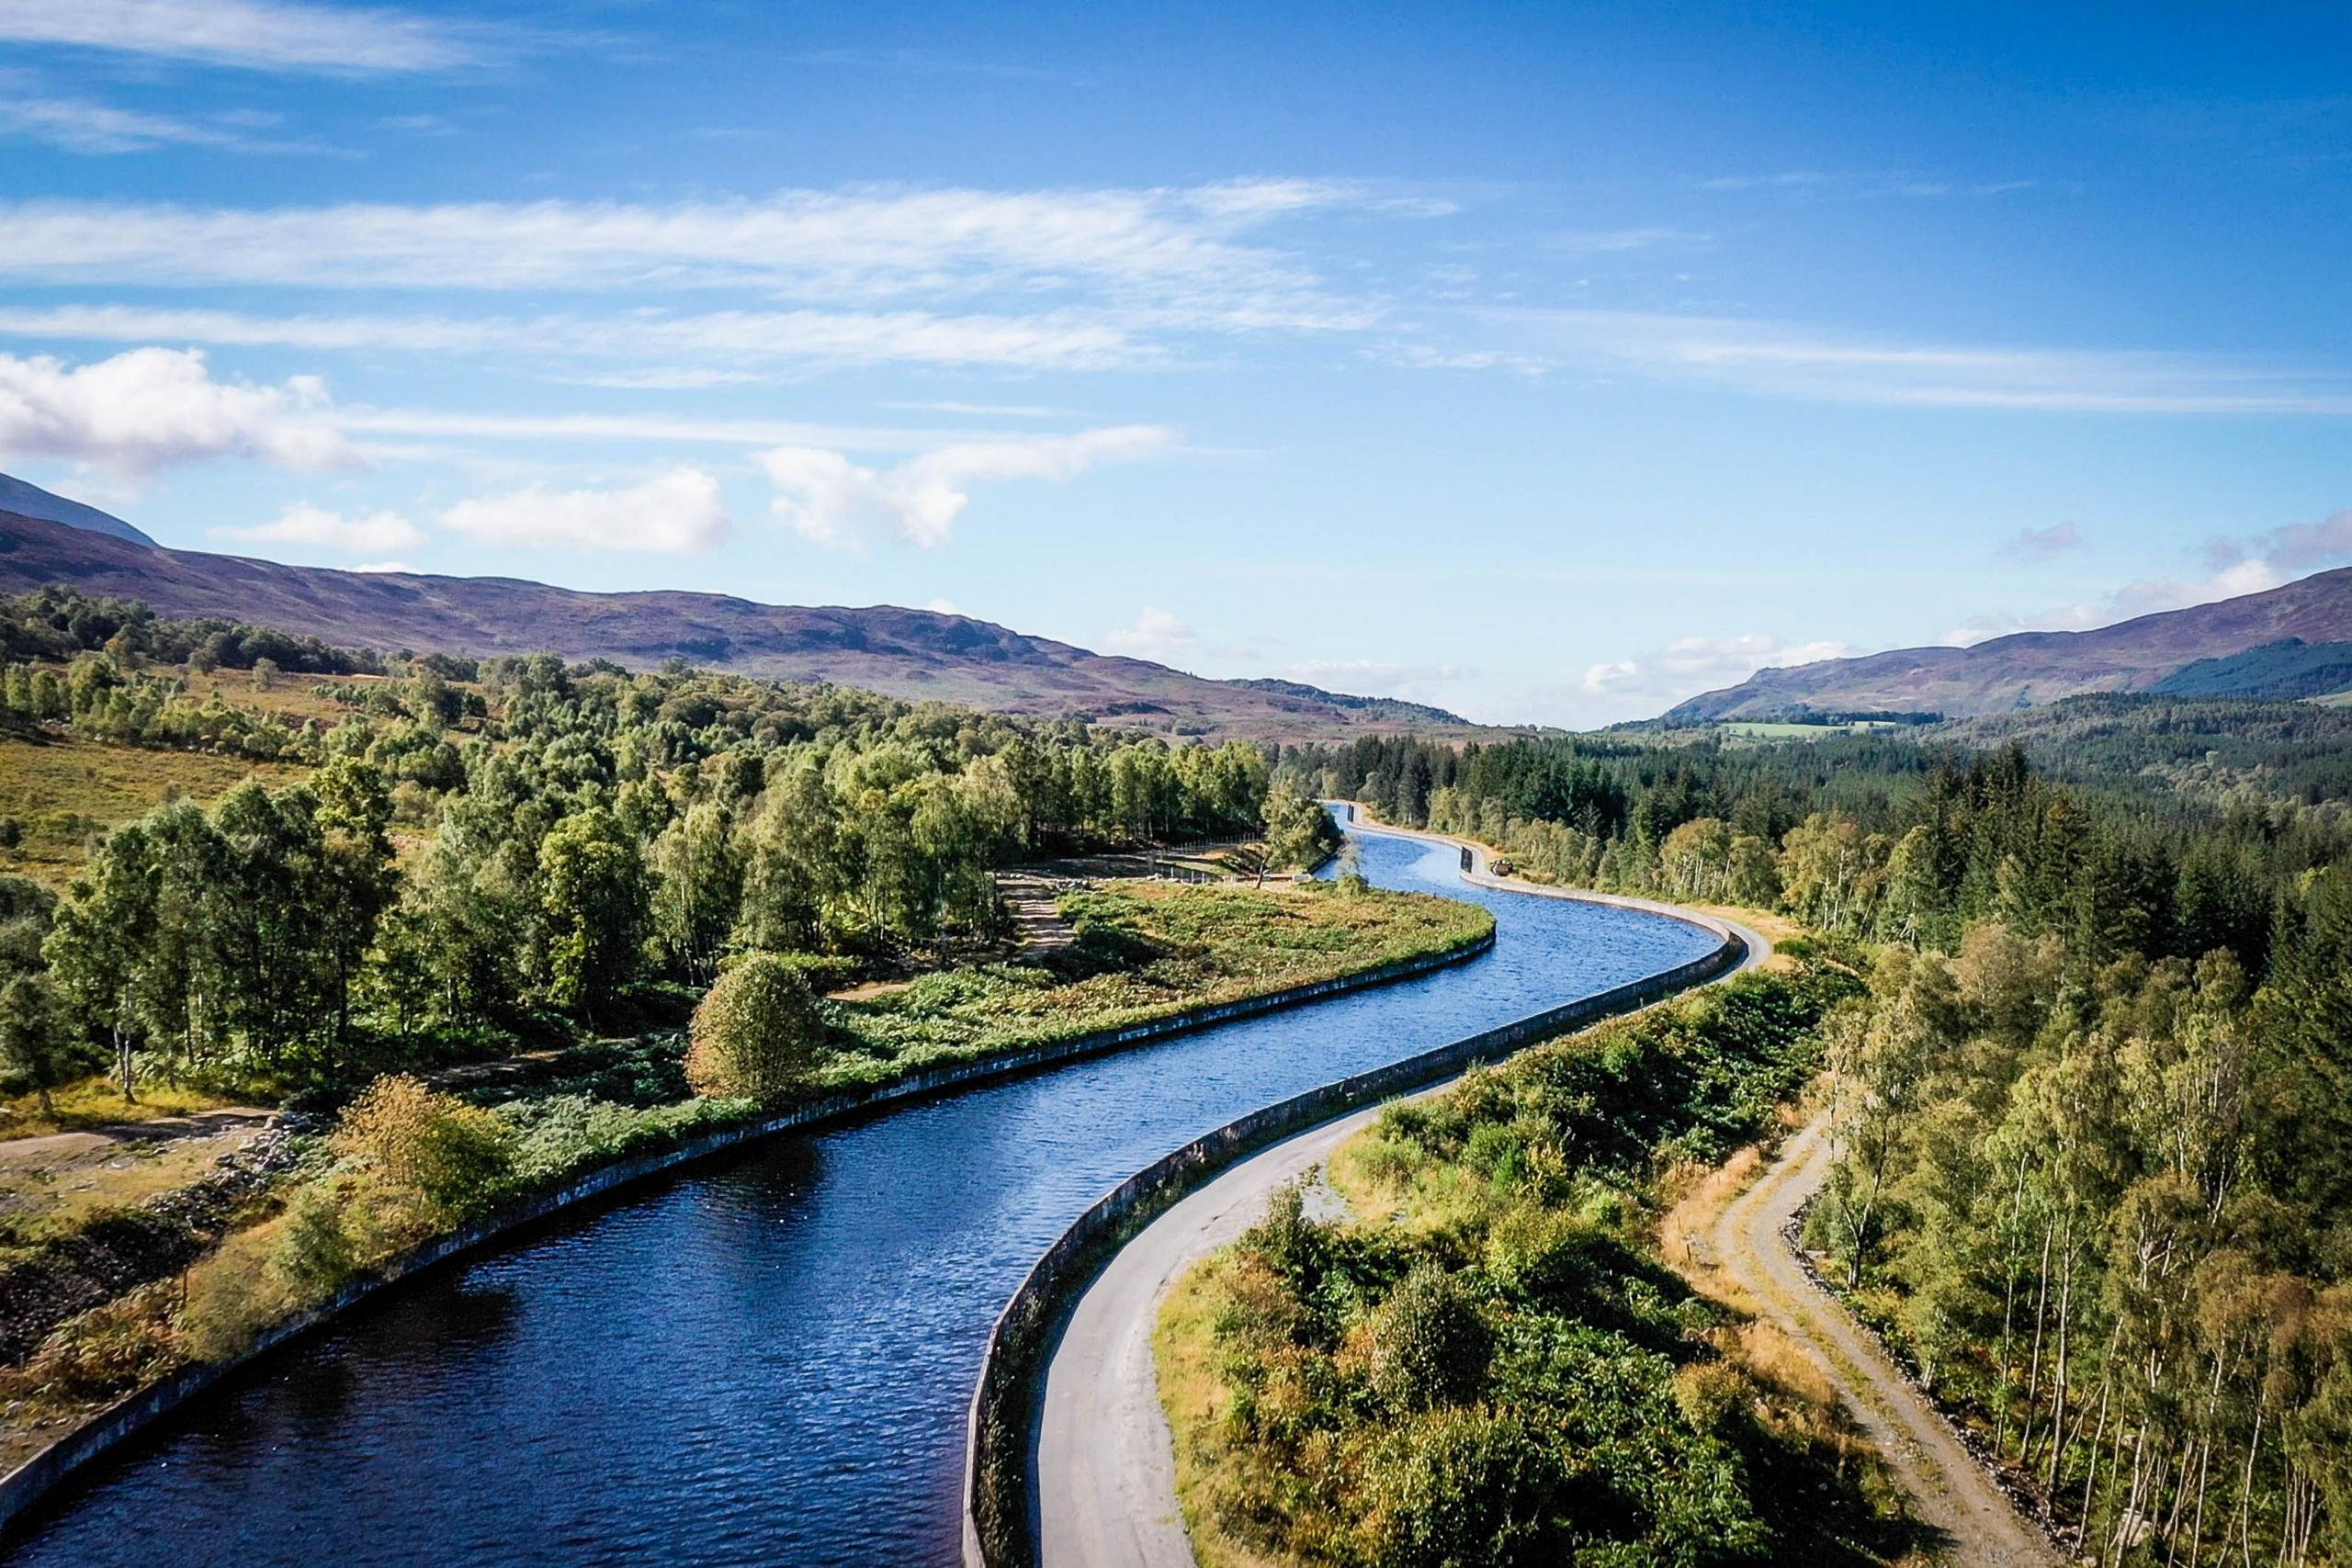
95, 1101
1533, 1189
1762, 730
1146, 951
66, 790
1199, 1406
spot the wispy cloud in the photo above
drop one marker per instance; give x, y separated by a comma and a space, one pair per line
1785, 360
1604, 242
1866, 183
677, 513
829, 499
1154, 634
1059, 341
2030, 546
2145, 597
1172, 247
2298, 547
266, 35
152, 407
29, 112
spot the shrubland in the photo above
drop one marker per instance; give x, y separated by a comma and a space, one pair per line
1490, 1363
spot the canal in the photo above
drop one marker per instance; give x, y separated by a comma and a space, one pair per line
766, 1358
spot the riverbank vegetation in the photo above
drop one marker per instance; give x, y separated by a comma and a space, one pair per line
1490, 1363
2090, 1117
468, 860
406, 1161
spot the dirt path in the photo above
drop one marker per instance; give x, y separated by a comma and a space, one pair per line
52, 1149
1036, 913
1948, 1491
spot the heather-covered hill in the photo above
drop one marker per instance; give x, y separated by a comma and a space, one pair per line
914, 654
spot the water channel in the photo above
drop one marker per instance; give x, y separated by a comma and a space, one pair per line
766, 1358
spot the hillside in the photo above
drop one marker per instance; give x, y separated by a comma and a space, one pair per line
28, 500
2039, 666
914, 654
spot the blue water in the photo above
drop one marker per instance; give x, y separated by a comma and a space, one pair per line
766, 1359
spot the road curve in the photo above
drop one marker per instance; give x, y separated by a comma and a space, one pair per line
1948, 1491
1106, 1463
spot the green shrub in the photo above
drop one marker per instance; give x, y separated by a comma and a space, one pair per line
1459, 1489
1428, 1344
759, 1034
454, 1155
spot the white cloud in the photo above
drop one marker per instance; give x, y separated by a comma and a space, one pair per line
271, 35
1603, 242
1692, 664
2032, 545
401, 565
363, 534
943, 607
152, 407
1371, 677
832, 501
678, 513
1155, 635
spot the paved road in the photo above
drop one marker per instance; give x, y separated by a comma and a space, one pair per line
1948, 1490
1106, 1462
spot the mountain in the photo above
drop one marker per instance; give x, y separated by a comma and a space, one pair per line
915, 654
31, 501
1395, 708
2039, 666
2290, 669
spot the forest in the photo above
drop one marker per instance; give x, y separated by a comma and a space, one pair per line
2094, 1106
527, 849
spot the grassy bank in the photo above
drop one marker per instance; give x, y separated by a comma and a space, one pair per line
1489, 1363
407, 1162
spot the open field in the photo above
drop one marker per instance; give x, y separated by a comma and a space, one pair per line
63, 789
1762, 729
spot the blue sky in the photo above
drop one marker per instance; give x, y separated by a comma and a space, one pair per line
1550, 363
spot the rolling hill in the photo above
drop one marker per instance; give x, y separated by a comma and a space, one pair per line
915, 654
2029, 667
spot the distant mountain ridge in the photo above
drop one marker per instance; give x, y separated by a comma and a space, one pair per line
1419, 713
26, 499
914, 654
2030, 668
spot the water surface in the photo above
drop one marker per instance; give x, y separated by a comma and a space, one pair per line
766, 1358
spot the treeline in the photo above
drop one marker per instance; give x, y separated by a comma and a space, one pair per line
2094, 1118
98, 697
1875, 836
55, 623
599, 833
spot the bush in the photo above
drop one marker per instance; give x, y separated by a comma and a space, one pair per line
1459, 1489
313, 1253
454, 1155
1428, 1345
759, 1034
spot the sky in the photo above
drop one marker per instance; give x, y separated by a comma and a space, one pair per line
1547, 363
